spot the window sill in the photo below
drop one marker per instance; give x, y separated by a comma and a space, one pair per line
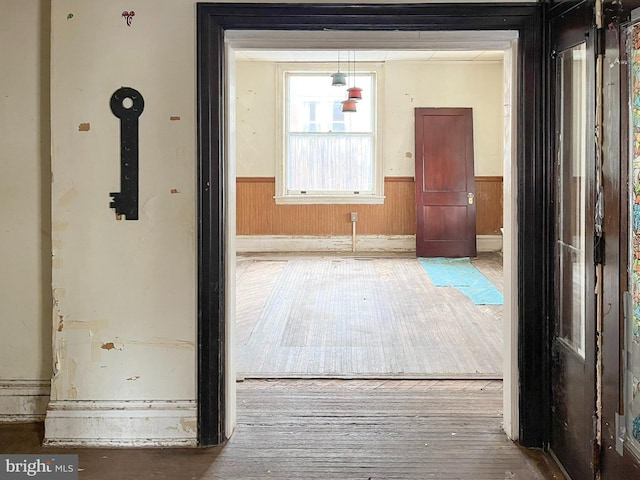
329, 199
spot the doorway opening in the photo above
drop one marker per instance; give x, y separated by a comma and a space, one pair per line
268, 359
216, 213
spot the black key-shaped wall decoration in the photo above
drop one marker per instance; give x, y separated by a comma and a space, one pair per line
127, 104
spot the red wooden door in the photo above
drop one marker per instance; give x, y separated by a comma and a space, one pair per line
445, 183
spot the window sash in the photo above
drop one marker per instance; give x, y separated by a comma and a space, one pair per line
330, 163
323, 152
329, 121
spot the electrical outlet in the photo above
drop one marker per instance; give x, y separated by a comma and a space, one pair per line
354, 216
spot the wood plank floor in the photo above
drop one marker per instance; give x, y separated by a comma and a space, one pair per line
361, 317
333, 429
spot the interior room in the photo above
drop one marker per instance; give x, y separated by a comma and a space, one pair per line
196, 284
277, 227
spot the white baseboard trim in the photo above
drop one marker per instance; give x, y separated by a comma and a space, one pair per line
299, 243
363, 243
145, 423
489, 243
23, 401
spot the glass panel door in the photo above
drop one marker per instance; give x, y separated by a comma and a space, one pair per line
571, 195
573, 363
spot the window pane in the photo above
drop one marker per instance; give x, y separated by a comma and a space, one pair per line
328, 162
571, 197
315, 106
328, 151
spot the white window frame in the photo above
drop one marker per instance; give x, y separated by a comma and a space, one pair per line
282, 196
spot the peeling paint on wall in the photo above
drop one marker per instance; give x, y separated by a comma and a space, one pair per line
188, 425
96, 351
59, 357
68, 197
86, 324
59, 226
72, 391
136, 303
163, 342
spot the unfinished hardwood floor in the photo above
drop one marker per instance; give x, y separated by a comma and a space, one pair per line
361, 317
375, 429
333, 429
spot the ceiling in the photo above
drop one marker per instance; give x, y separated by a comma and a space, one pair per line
369, 55
370, 46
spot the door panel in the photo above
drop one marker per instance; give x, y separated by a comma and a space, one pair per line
573, 335
445, 183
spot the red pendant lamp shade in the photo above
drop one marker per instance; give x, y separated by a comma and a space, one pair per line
349, 106
354, 93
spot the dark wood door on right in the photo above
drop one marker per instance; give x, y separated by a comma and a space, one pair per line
573, 366
445, 183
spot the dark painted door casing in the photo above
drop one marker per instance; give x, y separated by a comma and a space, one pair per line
215, 19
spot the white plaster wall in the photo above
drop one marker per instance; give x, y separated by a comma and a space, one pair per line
405, 86
256, 122
124, 291
25, 256
130, 284
447, 84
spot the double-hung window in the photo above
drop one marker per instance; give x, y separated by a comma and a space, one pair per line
328, 155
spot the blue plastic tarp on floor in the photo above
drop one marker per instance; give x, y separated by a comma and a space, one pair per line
461, 274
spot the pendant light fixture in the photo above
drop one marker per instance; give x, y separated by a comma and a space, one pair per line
354, 93
349, 105
338, 79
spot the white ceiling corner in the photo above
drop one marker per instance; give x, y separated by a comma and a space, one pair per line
376, 46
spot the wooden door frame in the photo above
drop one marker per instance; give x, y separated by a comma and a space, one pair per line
532, 209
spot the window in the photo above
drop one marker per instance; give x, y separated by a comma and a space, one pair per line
327, 155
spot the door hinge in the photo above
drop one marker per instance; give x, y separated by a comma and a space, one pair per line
598, 249
621, 433
627, 313
597, 447
627, 306
601, 43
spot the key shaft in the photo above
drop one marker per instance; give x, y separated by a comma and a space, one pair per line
127, 104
